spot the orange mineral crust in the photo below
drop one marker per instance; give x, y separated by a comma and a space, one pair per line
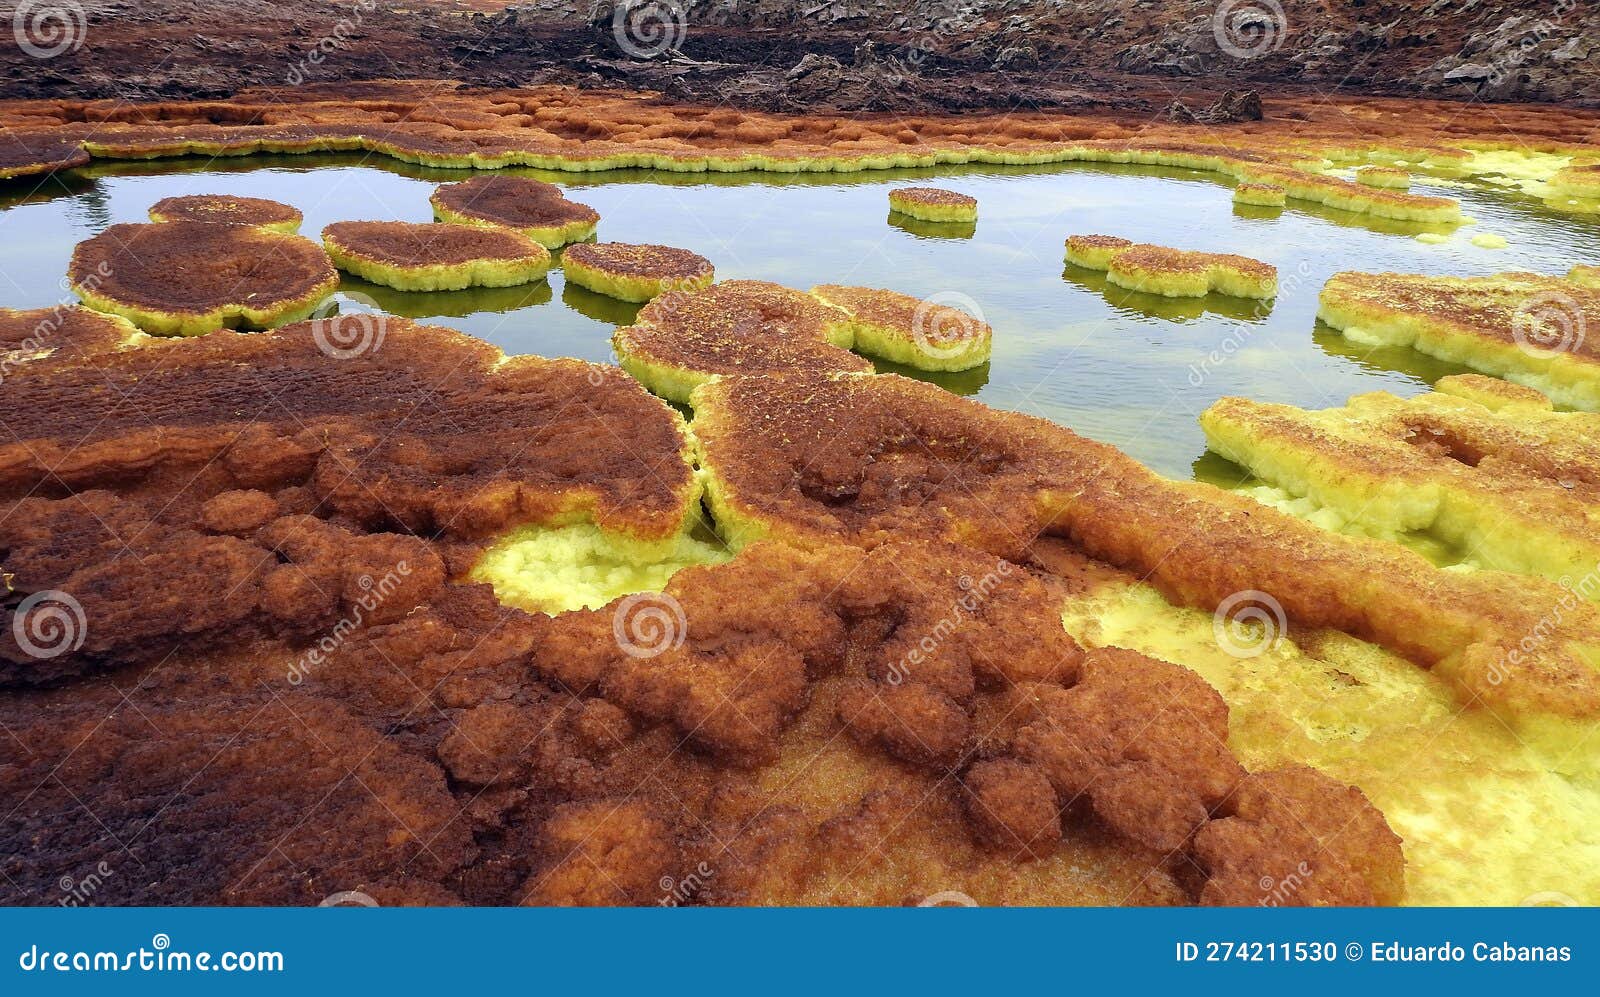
443, 124
813, 458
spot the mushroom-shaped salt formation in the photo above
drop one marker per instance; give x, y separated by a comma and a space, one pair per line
635, 272
1174, 273
932, 204
227, 209
922, 333
537, 209
413, 256
683, 338
188, 278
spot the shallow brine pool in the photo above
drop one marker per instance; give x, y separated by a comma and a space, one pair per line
1130, 369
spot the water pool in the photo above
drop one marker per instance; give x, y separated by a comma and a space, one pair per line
1129, 369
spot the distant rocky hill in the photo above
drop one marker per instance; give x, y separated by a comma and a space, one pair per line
845, 54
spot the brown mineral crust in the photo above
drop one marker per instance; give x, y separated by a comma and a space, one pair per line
410, 244
913, 316
816, 459
1295, 836
1141, 741
557, 799
665, 263
198, 267
515, 202
739, 327
426, 430
243, 797
1013, 806
29, 152
70, 330
224, 209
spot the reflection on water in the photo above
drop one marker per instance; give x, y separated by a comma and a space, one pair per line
449, 304
932, 230
1132, 369
1159, 306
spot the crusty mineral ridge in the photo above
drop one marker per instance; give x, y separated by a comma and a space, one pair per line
188, 278
683, 338
934, 204
561, 128
811, 459
374, 425
1480, 465
1527, 328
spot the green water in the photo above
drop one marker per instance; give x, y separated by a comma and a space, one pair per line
1129, 369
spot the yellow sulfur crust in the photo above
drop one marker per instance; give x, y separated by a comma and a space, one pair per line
1484, 469
1521, 326
1267, 195
931, 204
1387, 177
